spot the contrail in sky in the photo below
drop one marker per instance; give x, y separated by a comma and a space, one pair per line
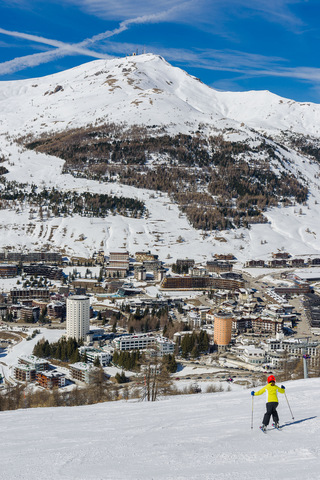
63, 49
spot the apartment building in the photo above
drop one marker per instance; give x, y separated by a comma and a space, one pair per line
24, 373
8, 271
143, 341
222, 330
82, 372
36, 363
78, 316
50, 380
93, 354
141, 256
20, 294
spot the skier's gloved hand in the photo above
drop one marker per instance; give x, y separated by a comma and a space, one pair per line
252, 393
282, 386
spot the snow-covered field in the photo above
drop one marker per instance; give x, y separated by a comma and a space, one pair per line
9, 357
198, 437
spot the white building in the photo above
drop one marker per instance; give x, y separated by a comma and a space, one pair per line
253, 355
78, 317
143, 341
35, 363
92, 354
165, 346
194, 319
82, 372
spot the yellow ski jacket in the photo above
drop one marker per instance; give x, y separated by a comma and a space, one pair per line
271, 391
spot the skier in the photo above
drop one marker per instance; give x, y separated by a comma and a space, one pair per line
272, 402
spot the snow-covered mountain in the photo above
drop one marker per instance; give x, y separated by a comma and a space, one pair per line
148, 91
198, 437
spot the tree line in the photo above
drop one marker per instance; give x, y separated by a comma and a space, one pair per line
218, 184
194, 344
68, 202
64, 350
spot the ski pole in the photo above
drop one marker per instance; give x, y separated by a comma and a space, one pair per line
252, 414
289, 405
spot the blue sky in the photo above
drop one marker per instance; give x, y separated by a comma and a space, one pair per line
233, 45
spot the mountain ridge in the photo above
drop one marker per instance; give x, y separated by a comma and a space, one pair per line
148, 90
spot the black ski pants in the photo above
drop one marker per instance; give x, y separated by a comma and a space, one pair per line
271, 410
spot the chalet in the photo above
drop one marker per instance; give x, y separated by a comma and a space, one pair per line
314, 261
277, 263
281, 255
296, 262
186, 262
224, 256
219, 266
255, 264
142, 256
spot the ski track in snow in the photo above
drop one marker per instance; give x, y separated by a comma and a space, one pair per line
203, 437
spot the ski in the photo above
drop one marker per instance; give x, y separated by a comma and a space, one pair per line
277, 428
263, 431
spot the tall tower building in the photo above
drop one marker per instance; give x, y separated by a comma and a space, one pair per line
222, 330
78, 316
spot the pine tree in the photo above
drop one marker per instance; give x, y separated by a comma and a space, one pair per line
96, 362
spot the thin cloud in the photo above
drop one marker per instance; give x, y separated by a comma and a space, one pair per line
29, 61
197, 13
63, 49
244, 63
74, 48
300, 73
205, 58
126, 9
272, 11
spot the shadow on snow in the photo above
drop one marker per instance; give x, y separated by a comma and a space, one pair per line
298, 421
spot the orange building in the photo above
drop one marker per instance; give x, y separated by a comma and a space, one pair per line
222, 330
49, 380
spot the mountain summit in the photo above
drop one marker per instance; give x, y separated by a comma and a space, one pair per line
146, 90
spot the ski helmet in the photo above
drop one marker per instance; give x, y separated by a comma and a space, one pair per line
271, 378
